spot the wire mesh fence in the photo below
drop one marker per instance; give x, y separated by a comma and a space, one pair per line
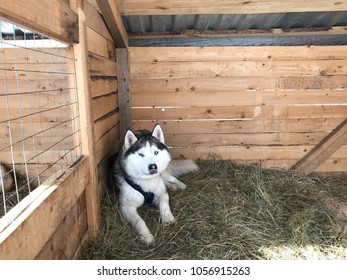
39, 118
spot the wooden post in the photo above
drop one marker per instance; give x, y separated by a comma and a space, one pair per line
87, 123
124, 96
323, 150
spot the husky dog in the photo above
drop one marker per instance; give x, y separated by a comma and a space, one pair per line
142, 171
6, 179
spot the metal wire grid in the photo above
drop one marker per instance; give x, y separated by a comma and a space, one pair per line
39, 118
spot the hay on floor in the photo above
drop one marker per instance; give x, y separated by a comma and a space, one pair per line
234, 212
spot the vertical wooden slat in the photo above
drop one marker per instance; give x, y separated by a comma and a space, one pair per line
124, 96
87, 124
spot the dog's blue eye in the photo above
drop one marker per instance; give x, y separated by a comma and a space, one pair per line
156, 152
141, 154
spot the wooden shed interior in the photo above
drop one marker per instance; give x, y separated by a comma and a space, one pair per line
257, 82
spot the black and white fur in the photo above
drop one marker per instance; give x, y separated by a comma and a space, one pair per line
143, 171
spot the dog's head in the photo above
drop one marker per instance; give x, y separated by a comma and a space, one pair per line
144, 153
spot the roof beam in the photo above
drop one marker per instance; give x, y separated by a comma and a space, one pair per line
175, 7
323, 150
316, 31
111, 15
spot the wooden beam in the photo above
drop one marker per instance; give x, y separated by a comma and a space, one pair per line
87, 123
175, 7
110, 12
124, 96
317, 31
323, 150
53, 19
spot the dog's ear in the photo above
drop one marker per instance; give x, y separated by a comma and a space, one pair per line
129, 139
158, 133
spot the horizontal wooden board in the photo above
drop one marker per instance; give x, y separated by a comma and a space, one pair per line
99, 45
103, 125
333, 165
239, 83
27, 56
102, 67
104, 105
242, 152
193, 69
32, 85
35, 115
95, 21
243, 53
42, 100
239, 112
242, 126
54, 19
102, 86
108, 143
258, 139
238, 98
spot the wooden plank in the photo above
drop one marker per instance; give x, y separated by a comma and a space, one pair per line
239, 83
102, 67
53, 19
103, 125
249, 153
238, 98
333, 165
31, 85
124, 94
43, 100
52, 68
323, 150
238, 33
103, 86
109, 10
242, 126
25, 237
237, 53
29, 56
232, 139
174, 7
100, 45
108, 142
193, 69
95, 21
239, 112
93, 191
103, 105
69, 234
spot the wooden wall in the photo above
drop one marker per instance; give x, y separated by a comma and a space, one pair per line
103, 84
265, 105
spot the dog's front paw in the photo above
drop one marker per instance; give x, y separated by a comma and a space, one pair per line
147, 238
167, 219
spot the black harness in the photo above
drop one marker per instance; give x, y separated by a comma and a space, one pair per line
149, 196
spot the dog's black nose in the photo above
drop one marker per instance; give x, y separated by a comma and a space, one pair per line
153, 168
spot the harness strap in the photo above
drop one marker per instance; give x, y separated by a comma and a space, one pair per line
149, 196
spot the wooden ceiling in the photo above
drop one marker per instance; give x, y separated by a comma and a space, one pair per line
227, 22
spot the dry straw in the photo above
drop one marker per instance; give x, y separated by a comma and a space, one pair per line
235, 212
